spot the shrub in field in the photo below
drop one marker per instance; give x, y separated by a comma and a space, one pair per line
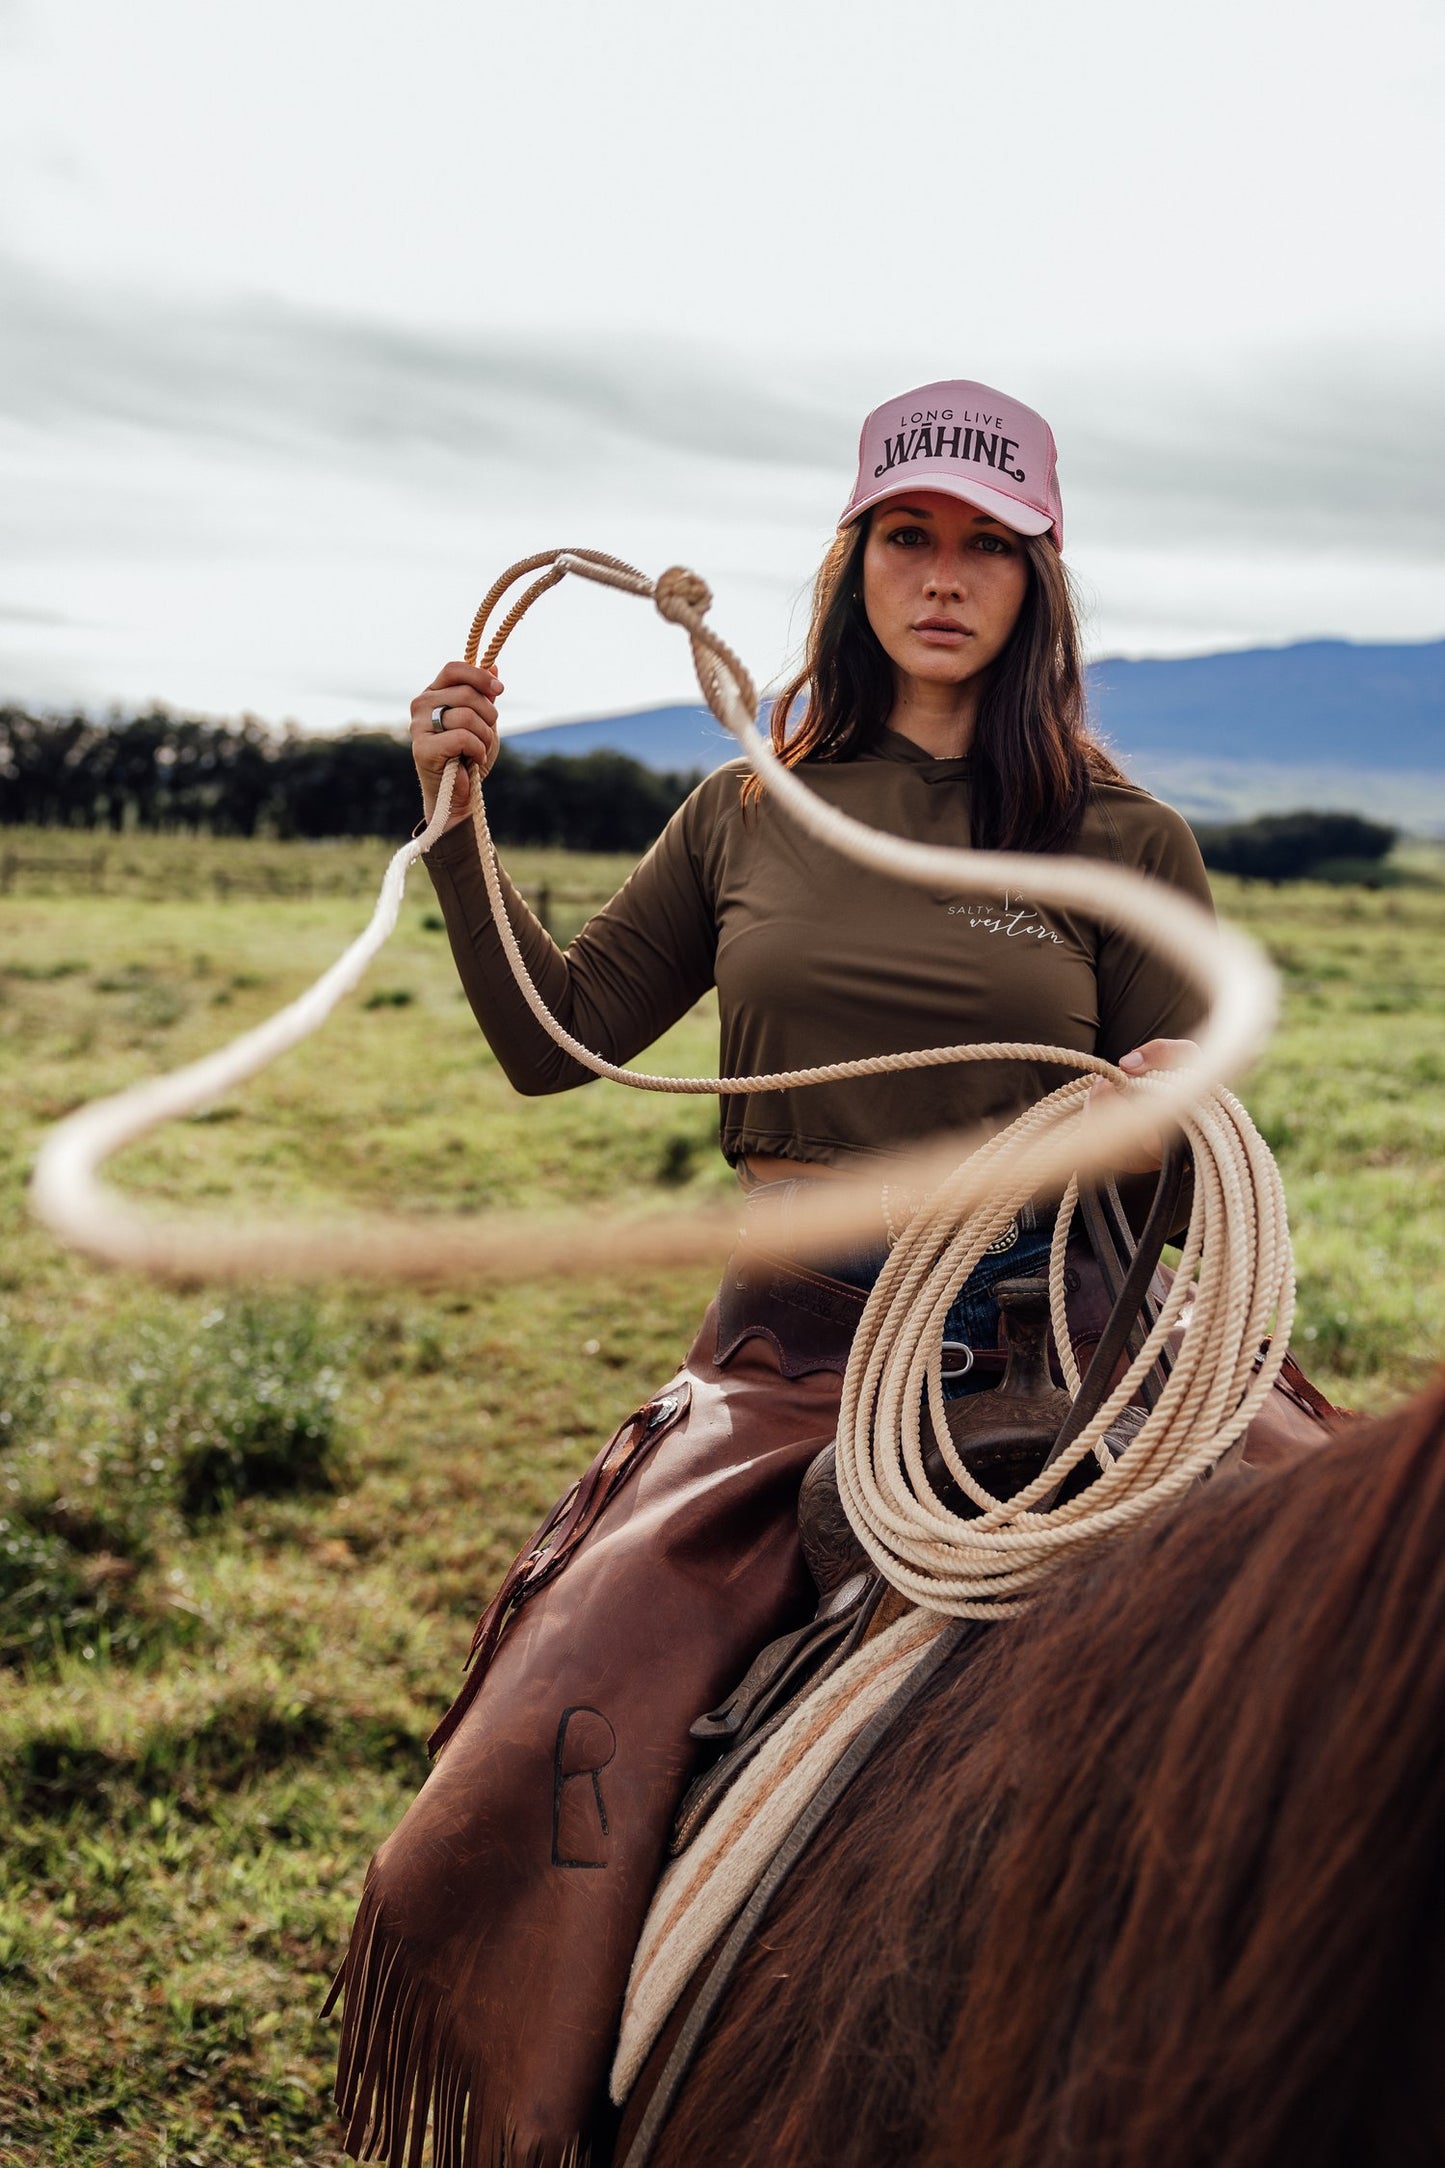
103, 1497
71, 1535
42, 1593
1295, 846
42, 1589
244, 1404
55, 1596
23, 1386
1357, 873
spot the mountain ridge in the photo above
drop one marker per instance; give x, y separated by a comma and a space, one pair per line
1308, 703
1328, 722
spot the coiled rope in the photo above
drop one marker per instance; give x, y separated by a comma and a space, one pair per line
986, 1567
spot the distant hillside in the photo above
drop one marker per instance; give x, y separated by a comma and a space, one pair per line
672, 740
1324, 722
1320, 703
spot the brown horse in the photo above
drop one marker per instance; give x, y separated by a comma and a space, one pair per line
1152, 1877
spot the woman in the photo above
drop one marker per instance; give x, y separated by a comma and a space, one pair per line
942, 700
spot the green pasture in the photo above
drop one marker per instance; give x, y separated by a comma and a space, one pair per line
243, 1539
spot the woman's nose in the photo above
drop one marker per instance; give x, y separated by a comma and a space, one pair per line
944, 579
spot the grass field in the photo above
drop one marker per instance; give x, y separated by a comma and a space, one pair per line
243, 1540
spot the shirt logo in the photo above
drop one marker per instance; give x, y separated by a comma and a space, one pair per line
1016, 919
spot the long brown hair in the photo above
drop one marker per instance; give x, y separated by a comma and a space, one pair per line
1033, 756
1153, 1874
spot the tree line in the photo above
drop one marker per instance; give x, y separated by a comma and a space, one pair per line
163, 771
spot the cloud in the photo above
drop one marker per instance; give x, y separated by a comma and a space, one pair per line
259, 504
1321, 450
267, 373
16, 613
1327, 448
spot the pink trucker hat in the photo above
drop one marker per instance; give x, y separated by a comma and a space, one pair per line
969, 441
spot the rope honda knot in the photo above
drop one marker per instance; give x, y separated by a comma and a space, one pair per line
682, 596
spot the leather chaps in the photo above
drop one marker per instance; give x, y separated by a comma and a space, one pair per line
486, 1970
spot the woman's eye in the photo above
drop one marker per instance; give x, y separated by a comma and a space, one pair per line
907, 534
995, 545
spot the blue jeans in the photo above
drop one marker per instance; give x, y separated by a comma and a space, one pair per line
973, 1314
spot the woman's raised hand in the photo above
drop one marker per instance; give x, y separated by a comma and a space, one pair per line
467, 696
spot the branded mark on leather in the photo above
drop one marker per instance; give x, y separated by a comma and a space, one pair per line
1016, 918
585, 1745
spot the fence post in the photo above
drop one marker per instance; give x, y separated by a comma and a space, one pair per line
544, 906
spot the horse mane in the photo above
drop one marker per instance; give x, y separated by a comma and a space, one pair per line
1153, 1873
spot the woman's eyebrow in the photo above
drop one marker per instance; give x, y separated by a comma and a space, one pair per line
919, 511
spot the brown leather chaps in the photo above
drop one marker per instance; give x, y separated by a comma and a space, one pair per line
486, 1970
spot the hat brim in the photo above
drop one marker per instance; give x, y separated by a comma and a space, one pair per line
1022, 518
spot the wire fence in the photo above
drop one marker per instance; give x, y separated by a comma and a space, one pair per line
562, 888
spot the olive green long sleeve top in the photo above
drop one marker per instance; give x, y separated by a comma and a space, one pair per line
817, 959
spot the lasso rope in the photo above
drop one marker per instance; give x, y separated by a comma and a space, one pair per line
1234, 983
1238, 1238
700, 1892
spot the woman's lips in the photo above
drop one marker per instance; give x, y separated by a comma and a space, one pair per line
941, 631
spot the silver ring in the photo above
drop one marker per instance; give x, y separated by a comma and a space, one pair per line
959, 1370
438, 718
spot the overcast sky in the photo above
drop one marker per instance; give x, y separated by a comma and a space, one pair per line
313, 315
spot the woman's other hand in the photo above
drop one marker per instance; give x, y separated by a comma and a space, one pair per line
468, 697
1145, 1157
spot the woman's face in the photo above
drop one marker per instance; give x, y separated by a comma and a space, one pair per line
943, 586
